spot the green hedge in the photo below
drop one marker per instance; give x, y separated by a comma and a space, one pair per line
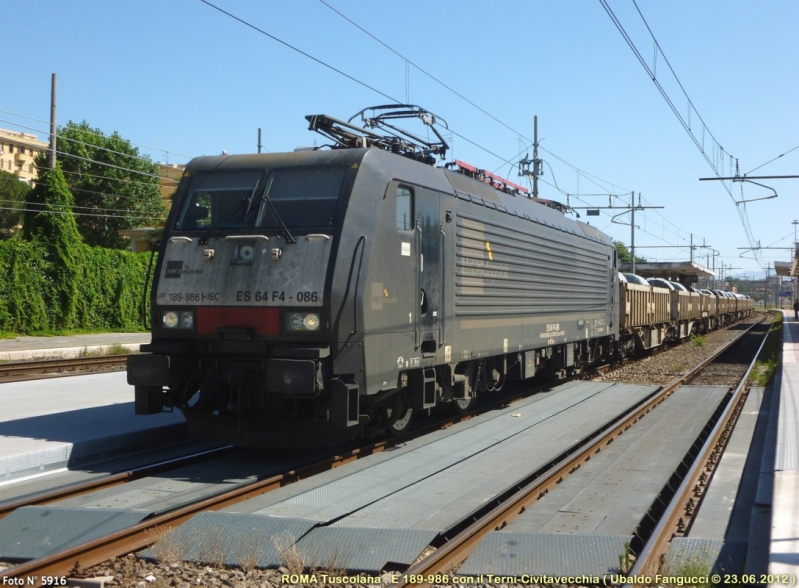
51, 281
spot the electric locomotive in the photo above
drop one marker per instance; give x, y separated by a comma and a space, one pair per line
308, 297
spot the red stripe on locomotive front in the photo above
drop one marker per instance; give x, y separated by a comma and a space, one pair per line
263, 321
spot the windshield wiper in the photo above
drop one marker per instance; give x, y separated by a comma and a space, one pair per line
250, 200
283, 228
218, 227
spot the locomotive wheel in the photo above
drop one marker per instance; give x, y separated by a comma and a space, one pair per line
464, 405
399, 415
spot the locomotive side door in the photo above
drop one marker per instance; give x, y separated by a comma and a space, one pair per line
429, 272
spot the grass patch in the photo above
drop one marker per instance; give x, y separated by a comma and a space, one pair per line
116, 349
695, 569
769, 359
698, 340
169, 546
290, 556
113, 349
626, 560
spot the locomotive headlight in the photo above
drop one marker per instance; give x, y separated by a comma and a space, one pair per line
245, 253
170, 319
301, 321
187, 319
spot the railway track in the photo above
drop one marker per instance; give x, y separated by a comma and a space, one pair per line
72, 490
450, 555
52, 368
142, 535
685, 505
73, 561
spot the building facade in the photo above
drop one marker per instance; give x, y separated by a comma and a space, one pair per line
17, 153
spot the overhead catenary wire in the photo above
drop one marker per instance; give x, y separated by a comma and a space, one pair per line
771, 161
47, 133
29, 203
111, 165
126, 216
105, 194
467, 100
144, 159
580, 171
300, 51
718, 152
592, 178
335, 69
428, 74
126, 181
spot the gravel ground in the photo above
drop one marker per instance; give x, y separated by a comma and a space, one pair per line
666, 365
658, 369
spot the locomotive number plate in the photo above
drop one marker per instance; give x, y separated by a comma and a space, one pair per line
276, 296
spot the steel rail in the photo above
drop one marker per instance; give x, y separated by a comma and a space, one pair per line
676, 519
146, 533
48, 496
22, 370
459, 547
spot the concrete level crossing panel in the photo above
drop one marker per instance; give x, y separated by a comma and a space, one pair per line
608, 497
441, 501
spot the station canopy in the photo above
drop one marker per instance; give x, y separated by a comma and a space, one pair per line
788, 268
685, 272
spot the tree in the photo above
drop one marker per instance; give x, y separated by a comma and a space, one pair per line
49, 219
624, 253
13, 194
114, 187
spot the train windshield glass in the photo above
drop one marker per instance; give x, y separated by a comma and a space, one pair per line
303, 197
219, 200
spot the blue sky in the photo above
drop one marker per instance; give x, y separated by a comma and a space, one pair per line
180, 79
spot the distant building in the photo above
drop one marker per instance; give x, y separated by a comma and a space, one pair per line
141, 239
17, 152
170, 176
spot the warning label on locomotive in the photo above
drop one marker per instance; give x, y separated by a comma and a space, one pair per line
175, 269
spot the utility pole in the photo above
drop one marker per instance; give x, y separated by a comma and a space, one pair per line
536, 161
728, 268
714, 267
259, 139
795, 278
524, 164
594, 211
53, 86
632, 232
767, 301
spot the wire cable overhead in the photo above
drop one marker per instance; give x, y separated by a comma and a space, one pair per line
715, 155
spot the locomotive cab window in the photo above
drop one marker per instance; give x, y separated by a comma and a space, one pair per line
404, 208
301, 197
218, 201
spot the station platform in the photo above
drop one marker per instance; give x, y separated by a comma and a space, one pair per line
784, 544
74, 421
27, 348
